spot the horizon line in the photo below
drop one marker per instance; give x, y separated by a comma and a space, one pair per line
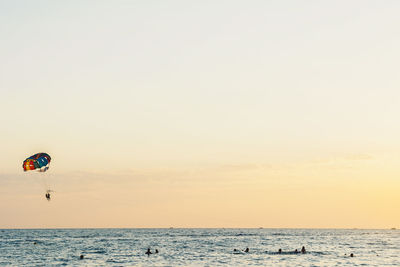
172, 228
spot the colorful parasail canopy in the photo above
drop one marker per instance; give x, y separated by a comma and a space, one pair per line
39, 161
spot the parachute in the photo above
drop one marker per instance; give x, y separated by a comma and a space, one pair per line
39, 162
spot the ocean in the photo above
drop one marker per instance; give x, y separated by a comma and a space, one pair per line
198, 247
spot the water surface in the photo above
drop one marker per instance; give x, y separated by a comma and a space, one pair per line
198, 247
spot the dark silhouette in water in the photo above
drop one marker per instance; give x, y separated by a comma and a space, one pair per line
148, 252
280, 251
296, 251
48, 196
351, 255
236, 251
35, 243
81, 257
246, 250
303, 250
156, 251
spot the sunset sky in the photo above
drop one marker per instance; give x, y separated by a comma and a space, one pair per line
201, 114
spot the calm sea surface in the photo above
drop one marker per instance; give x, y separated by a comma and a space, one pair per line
199, 247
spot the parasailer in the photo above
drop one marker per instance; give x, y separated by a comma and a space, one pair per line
47, 195
39, 162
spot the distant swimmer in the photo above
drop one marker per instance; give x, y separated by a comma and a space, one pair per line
246, 250
35, 243
237, 251
81, 257
156, 251
351, 255
148, 252
280, 251
296, 251
303, 250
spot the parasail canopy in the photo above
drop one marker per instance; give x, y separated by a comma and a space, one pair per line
39, 162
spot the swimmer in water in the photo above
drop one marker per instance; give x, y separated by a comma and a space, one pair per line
81, 257
280, 251
246, 250
156, 251
148, 252
303, 250
351, 255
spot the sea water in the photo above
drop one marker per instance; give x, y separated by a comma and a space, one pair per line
198, 247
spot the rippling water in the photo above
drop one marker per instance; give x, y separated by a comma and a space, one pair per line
198, 247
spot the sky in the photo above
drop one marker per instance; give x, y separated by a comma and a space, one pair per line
201, 114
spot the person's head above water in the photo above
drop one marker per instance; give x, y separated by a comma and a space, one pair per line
246, 250
280, 250
303, 250
148, 252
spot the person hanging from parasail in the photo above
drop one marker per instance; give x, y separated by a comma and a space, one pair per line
48, 197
